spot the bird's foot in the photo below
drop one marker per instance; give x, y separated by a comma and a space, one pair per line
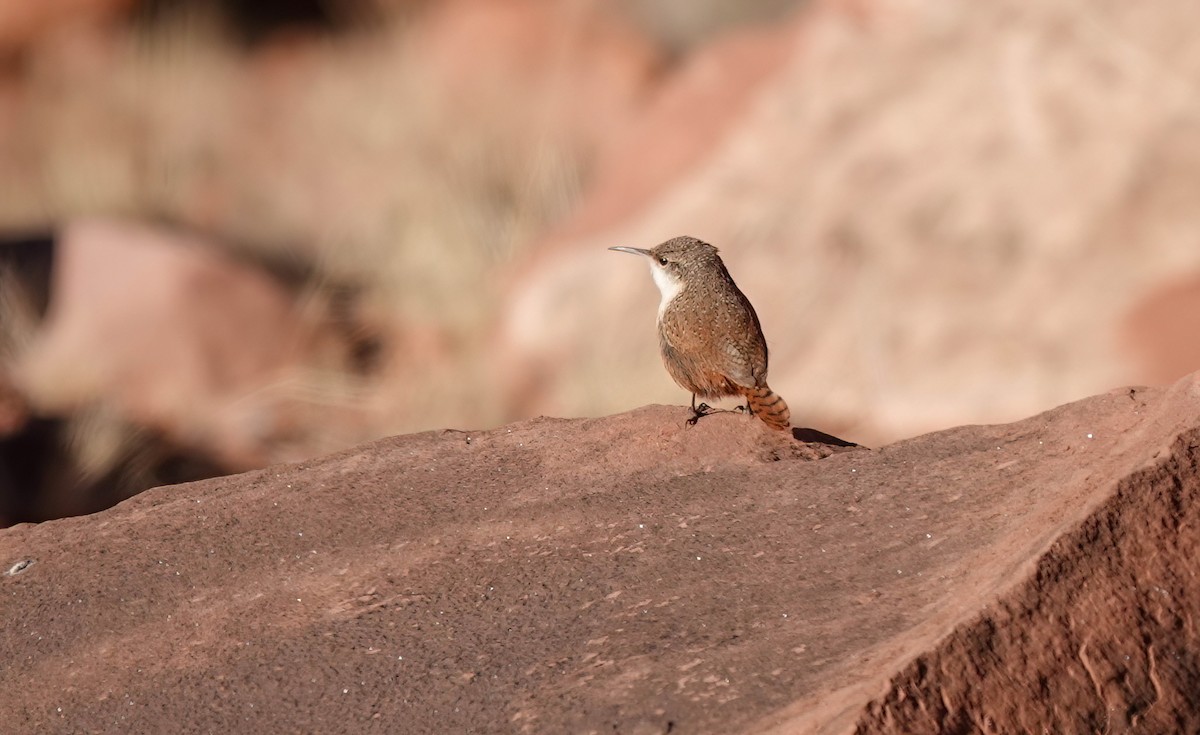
699, 411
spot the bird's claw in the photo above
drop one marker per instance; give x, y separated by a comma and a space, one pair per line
699, 411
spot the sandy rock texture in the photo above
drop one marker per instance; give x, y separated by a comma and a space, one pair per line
629, 574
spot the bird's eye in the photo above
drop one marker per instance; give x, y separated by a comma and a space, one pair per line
662, 260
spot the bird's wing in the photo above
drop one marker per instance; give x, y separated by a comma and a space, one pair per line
715, 344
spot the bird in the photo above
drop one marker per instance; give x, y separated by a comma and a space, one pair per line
711, 341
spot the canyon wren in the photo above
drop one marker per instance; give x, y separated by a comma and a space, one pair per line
712, 343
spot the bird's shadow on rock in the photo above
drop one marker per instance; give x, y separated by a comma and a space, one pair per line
815, 436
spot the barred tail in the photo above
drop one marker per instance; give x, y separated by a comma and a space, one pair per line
769, 406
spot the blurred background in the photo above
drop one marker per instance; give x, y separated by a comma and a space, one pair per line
238, 233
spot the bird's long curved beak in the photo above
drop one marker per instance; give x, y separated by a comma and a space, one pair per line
635, 251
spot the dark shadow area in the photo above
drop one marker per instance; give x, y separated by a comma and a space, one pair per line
41, 480
30, 259
23, 458
251, 23
814, 436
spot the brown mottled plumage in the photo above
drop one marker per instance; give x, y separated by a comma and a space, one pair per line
710, 337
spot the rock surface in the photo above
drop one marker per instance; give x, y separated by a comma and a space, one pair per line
628, 574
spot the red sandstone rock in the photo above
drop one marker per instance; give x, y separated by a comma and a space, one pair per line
629, 574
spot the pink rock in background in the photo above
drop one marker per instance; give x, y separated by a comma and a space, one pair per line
171, 334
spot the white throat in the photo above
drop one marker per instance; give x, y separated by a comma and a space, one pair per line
667, 284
